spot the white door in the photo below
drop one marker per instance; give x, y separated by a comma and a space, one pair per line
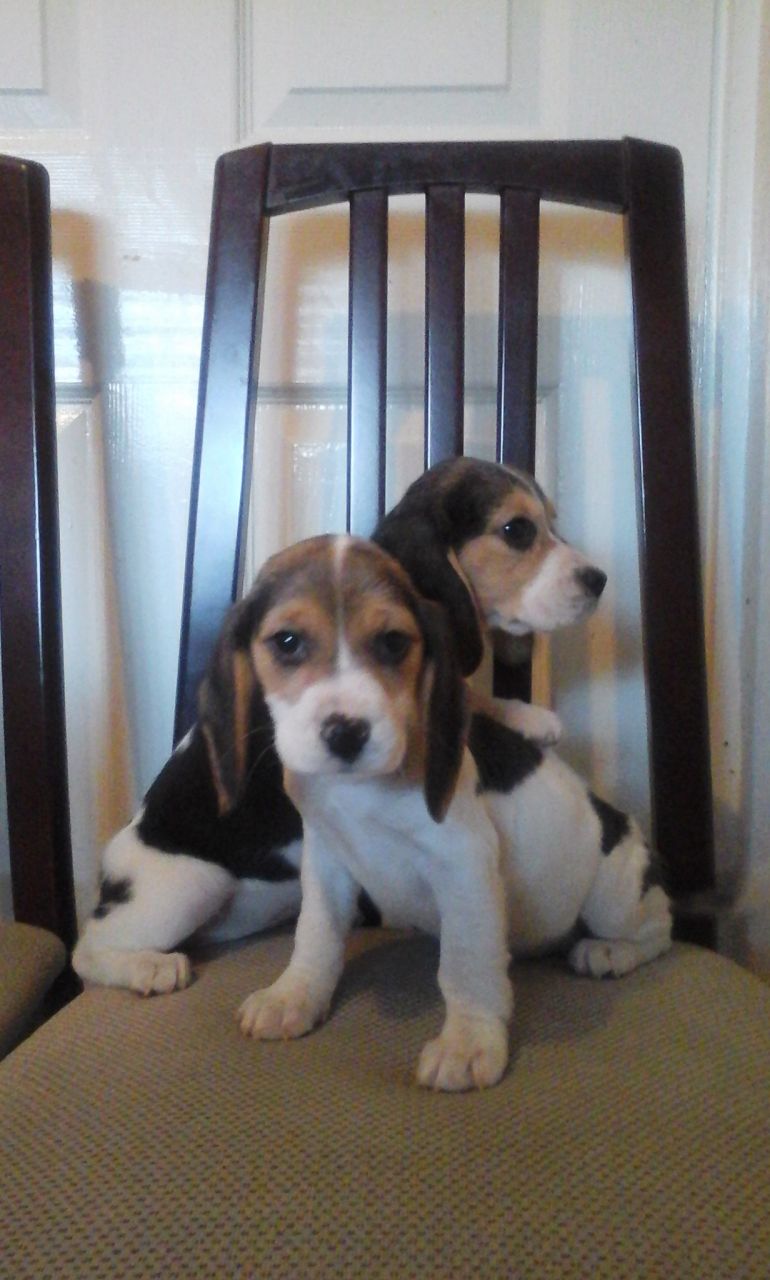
128, 105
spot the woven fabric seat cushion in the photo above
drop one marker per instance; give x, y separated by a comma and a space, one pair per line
30, 960
630, 1137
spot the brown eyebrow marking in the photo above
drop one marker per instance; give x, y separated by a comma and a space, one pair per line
369, 571
530, 485
517, 504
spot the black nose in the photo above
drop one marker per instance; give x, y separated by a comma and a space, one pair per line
593, 580
344, 737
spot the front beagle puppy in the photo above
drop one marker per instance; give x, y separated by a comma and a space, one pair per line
366, 697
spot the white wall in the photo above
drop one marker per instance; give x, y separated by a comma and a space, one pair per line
129, 104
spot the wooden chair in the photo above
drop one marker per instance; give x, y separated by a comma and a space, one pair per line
638, 180
630, 1134
32, 679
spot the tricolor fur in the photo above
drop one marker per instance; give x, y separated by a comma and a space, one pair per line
192, 862
367, 699
368, 703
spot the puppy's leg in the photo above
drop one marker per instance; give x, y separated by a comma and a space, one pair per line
629, 917
150, 902
472, 1048
540, 724
300, 998
256, 905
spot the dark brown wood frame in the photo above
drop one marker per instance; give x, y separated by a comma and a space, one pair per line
30, 606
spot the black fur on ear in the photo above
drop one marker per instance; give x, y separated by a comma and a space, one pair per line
417, 543
446, 716
233, 714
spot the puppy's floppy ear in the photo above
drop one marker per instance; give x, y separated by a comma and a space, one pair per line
415, 542
446, 711
233, 713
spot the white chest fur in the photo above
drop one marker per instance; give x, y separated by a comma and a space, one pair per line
379, 829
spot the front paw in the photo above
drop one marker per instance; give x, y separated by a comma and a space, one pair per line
470, 1053
548, 728
281, 1012
158, 972
539, 724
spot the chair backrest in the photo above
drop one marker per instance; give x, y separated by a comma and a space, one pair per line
30, 612
640, 181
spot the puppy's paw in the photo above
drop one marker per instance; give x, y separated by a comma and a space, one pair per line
158, 972
470, 1053
600, 958
281, 1012
539, 724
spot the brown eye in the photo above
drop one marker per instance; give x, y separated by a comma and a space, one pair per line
519, 533
391, 647
289, 647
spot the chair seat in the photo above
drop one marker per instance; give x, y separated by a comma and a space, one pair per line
629, 1138
30, 961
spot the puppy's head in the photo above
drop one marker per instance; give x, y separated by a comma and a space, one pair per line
357, 675
480, 538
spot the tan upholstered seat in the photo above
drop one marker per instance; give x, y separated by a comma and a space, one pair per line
30, 960
630, 1137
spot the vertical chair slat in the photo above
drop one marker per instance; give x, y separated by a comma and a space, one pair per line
30, 601
226, 402
672, 608
517, 365
517, 340
367, 331
444, 322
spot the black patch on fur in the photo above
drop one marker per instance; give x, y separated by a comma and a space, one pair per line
112, 893
504, 757
182, 814
615, 825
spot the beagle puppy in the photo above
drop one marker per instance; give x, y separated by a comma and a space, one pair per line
474, 536
479, 538
362, 685
486, 845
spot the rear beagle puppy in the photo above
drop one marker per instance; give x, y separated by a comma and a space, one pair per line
361, 682
480, 539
